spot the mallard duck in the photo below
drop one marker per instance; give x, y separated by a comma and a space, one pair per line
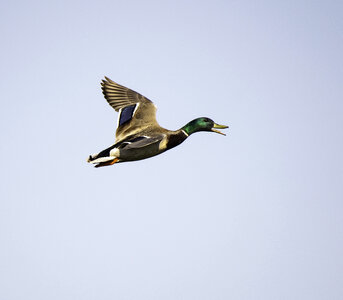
138, 134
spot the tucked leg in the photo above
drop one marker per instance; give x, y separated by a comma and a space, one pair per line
107, 163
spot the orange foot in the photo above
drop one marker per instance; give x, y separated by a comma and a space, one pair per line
107, 163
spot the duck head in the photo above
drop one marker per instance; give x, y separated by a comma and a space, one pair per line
203, 124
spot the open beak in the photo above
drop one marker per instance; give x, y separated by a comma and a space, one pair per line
219, 127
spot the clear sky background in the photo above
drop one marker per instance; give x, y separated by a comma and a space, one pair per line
253, 215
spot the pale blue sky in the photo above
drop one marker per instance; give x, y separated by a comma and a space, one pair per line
253, 215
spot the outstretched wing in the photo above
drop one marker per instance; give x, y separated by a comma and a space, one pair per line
136, 112
119, 96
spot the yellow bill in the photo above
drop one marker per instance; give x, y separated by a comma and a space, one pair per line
219, 127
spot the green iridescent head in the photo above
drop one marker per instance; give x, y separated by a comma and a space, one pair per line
202, 124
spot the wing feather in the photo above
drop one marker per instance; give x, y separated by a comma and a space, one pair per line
119, 97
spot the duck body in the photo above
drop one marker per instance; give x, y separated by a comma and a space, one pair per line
139, 146
138, 134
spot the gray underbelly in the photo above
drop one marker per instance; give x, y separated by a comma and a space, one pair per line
130, 154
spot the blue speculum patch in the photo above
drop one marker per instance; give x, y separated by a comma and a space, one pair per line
126, 114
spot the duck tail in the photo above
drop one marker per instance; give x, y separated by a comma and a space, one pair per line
91, 158
96, 158
102, 161
106, 157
